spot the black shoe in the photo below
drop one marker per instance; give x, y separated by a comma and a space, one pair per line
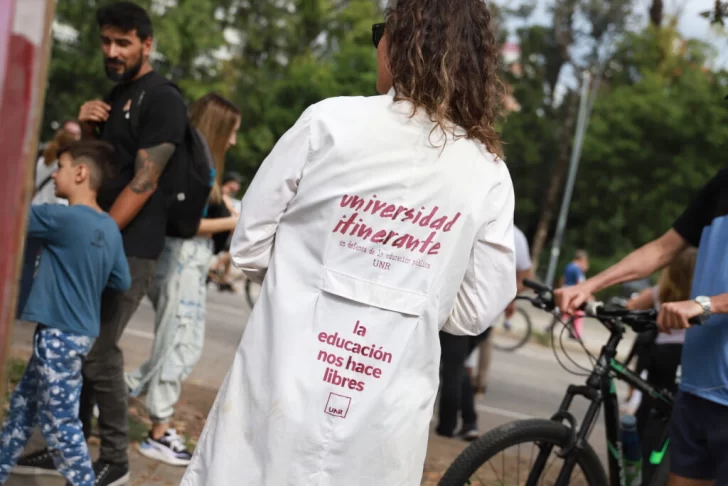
444, 433
36, 464
226, 287
108, 474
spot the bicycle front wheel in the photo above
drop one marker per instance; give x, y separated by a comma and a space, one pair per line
509, 335
520, 449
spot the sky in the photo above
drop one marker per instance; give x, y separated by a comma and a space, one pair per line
691, 24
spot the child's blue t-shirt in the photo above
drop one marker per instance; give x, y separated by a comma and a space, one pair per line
573, 274
82, 254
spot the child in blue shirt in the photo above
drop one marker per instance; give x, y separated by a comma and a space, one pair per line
82, 253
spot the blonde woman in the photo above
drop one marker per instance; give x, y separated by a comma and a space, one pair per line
179, 293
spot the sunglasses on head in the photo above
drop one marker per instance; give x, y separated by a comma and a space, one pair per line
377, 33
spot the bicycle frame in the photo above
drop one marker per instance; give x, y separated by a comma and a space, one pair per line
600, 390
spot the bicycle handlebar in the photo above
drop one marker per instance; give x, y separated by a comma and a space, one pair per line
538, 287
639, 320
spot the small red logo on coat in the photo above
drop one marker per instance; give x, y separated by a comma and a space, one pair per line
337, 405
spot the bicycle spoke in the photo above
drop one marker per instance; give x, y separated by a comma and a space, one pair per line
496, 473
532, 446
482, 476
503, 461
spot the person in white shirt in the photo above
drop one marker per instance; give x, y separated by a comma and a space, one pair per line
374, 223
523, 271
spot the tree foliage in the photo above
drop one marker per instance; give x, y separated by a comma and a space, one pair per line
658, 133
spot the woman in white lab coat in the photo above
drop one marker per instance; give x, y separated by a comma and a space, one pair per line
374, 223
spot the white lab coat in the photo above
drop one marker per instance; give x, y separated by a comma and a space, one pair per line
371, 241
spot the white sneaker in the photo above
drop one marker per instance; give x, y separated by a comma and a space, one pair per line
169, 449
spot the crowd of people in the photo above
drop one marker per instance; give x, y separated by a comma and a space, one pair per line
381, 230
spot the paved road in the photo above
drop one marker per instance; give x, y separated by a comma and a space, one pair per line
524, 384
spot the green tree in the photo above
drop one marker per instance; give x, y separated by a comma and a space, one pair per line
539, 137
326, 52
659, 131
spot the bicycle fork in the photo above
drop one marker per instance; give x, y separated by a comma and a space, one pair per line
577, 438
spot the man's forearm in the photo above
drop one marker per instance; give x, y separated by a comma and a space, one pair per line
128, 205
640, 263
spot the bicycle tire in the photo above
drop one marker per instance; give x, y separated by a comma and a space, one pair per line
523, 431
523, 341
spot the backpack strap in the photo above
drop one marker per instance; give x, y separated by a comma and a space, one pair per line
108, 99
42, 184
137, 106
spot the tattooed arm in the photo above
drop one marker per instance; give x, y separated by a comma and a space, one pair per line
149, 165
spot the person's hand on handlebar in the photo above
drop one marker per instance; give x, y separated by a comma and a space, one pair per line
570, 299
675, 315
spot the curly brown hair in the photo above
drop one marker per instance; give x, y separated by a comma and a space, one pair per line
443, 57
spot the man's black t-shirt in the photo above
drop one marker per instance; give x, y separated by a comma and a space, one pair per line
710, 204
163, 119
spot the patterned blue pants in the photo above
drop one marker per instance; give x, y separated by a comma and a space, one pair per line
48, 394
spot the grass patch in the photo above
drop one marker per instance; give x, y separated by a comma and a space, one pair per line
16, 369
138, 430
542, 338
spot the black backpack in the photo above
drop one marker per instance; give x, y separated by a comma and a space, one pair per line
186, 182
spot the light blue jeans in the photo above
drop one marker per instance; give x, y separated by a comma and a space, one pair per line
178, 294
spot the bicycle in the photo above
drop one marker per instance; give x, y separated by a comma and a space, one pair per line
509, 335
571, 440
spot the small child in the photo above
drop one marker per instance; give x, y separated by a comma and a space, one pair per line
82, 253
